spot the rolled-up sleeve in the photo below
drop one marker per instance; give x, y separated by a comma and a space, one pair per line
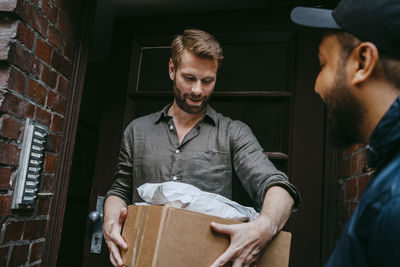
254, 169
123, 178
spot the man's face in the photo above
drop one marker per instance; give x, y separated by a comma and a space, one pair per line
194, 82
345, 111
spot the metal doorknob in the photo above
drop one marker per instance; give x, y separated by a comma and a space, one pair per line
95, 216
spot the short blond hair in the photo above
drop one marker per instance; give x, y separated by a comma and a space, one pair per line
198, 42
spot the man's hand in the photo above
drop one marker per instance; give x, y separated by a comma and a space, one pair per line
247, 241
115, 214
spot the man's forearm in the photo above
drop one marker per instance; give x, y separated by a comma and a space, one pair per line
277, 207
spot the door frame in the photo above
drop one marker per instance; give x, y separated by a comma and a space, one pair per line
62, 177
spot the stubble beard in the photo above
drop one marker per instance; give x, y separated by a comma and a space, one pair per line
182, 104
345, 112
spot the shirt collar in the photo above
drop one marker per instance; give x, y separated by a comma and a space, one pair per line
385, 138
209, 116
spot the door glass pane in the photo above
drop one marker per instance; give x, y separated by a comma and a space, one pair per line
153, 71
266, 119
254, 67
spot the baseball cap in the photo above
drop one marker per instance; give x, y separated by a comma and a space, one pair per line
376, 21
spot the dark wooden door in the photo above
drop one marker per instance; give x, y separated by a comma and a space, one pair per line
266, 81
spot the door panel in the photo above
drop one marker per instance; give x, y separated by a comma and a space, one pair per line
266, 81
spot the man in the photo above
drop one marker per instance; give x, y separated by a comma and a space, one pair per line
190, 142
360, 83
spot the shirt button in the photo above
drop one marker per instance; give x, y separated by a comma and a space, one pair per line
174, 178
177, 151
171, 127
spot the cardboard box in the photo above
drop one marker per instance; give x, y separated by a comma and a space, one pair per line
168, 237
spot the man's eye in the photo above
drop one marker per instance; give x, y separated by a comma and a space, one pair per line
190, 79
207, 81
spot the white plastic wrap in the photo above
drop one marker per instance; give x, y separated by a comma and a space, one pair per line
191, 198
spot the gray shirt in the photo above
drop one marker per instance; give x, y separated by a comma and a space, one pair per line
208, 155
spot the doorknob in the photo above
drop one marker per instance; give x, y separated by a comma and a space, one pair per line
96, 217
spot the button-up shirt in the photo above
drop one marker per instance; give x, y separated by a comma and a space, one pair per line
208, 155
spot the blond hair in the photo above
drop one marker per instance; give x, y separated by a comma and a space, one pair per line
199, 43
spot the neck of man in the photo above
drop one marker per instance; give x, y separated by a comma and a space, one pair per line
377, 98
183, 118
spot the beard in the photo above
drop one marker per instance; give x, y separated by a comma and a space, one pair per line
345, 113
180, 99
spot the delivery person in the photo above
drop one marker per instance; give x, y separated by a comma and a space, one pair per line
189, 142
359, 81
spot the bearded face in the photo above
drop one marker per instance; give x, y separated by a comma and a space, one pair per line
188, 101
344, 111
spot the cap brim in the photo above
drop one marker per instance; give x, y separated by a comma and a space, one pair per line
314, 17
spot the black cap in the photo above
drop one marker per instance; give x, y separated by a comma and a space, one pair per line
376, 21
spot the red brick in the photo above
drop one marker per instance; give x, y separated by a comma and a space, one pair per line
5, 175
5, 205
9, 127
17, 81
19, 255
354, 148
16, 106
43, 50
61, 64
362, 184
55, 38
43, 116
69, 51
351, 189
36, 67
53, 143
25, 35
9, 154
43, 206
50, 10
63, 86
32, 16
20, 57
49, 77
37, 92
56, 102
36, 251
47, 183
34, 229
57, 124
4, 75
50, 164
14, 231
3, 256
357, 163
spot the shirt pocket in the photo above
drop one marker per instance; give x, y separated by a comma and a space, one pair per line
209, 170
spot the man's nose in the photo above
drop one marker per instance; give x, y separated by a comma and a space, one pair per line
197, 88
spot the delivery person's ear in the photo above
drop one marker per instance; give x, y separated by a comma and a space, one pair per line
364, 59
171, 68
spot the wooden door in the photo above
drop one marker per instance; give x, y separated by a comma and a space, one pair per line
266, 81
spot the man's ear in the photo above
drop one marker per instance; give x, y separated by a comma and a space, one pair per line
171, 68
364, 57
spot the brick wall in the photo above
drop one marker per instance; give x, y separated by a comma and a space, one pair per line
37, 42
352, 181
